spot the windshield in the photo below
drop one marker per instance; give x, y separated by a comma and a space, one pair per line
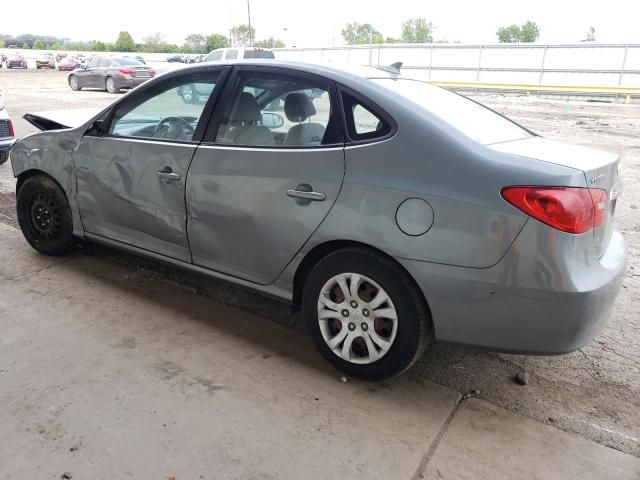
470, 118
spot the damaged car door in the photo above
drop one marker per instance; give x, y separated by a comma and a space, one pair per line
132, 165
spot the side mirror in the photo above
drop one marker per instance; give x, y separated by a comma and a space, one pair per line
100, 128
272, 120
85, 66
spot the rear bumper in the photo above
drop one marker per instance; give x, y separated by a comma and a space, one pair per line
532, 301
131, 82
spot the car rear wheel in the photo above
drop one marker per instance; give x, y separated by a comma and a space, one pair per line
44, 216
110, 85
365, 314
189, 94
73, 83
4, 156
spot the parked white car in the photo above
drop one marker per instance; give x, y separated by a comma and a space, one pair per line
6, 133
241, 53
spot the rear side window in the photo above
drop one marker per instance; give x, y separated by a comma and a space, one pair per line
231, 54
216, 55
258, 54
363, 121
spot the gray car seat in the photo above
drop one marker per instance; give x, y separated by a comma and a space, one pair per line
298, 107
246, 131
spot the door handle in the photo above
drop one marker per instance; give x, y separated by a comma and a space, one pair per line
306, 194
168, 175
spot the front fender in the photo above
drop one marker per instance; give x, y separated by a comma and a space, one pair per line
51, 153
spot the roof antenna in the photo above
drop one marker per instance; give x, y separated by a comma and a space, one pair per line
396, 65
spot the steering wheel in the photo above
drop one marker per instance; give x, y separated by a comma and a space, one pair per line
175, 128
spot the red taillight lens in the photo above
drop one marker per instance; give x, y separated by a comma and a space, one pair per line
569, 209
11, 132
152, 72
126, 71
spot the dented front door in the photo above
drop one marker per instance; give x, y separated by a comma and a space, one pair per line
132, 191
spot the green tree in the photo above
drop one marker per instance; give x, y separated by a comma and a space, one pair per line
242, 35
215, 40
2, 44
417, 30
98, 46
510, 34
195, 43
270, 43
38, 45
358, 33
154, 43
528, 32
125, 43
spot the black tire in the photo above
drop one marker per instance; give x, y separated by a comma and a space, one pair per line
110, 85
4, 156
74, 85
41, 200
189, 94
413, 323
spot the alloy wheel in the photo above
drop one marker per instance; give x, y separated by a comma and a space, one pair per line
357, 318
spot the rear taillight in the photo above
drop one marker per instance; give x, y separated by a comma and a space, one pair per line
569, 209
152, 72
11, 133
126, 71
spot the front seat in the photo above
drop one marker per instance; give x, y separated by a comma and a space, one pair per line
245, 116
298, 107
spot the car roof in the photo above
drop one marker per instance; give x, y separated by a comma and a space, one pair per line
333, 71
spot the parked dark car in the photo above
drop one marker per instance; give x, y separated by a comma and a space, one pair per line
175, 58
17, 61
110, 74
68, 64
46, 60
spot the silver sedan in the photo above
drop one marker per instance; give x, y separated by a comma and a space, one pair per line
393, 212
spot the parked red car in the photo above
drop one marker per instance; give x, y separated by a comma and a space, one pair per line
17, 61
68, 64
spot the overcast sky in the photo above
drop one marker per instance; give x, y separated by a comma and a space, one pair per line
319, 23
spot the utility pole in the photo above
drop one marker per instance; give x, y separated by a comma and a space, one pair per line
250, 31
370, 42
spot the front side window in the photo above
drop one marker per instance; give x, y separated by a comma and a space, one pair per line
94, 63
104, 63
231, 54
169, 113
273, 110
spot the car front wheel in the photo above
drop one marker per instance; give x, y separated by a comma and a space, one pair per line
365, 314
4, 156
44, 216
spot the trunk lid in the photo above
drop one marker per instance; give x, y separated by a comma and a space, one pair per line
600, 171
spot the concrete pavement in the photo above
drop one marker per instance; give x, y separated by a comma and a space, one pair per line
108, 375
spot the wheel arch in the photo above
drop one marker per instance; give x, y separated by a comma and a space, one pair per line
32, 172
323, 249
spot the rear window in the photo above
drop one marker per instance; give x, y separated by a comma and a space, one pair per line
258, 54
128, 61
468, 117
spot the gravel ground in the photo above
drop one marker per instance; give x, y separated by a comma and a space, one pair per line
594, 392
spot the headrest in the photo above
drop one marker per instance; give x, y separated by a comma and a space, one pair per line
298, 107
247, 109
